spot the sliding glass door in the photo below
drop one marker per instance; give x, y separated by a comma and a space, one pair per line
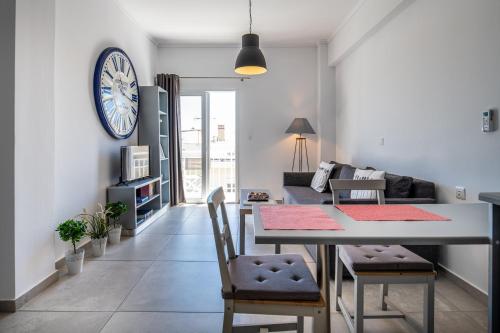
208, 124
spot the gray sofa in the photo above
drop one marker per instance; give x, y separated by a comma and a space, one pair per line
399, 190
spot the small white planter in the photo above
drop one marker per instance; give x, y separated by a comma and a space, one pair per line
115, 234
74, 262
99, 246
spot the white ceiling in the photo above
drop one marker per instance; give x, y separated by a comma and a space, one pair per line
222, 22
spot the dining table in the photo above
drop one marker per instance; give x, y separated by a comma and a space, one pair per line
467, 223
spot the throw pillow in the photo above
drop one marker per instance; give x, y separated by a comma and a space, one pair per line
360, 174
320, 179
397, 186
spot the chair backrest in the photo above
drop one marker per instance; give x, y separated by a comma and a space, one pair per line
377, 185
222, 239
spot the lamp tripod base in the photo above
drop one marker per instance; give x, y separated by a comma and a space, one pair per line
301, 144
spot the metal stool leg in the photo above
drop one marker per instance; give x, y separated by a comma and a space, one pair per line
339, 272
359, 288
300, 324
428, 322
384, 291
242, 233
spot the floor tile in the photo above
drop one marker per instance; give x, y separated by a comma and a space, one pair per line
140, 247
177, 286
53, 322
449, 322
102, 286
161, 322
458, 297
480, 317
189, 248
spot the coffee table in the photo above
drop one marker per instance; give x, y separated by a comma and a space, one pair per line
246, 209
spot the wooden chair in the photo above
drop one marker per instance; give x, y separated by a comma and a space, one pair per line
269, 284
379, 264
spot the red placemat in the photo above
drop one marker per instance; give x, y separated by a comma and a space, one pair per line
389, 213
286, 217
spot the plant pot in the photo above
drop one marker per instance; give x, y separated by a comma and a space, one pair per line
99, 246
74, 262
115, 234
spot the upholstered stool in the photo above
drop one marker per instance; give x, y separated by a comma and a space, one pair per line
382, 264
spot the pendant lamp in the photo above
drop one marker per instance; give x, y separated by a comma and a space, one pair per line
250, 60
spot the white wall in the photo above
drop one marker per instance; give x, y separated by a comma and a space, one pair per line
266, 104
421, 83
34, 128
7, 96
86, 157
325, 105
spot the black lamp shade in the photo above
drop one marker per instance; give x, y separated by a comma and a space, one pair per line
250, 60
300, 126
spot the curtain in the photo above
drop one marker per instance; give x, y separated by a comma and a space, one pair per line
170, 82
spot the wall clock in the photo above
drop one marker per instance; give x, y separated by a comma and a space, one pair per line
116, 93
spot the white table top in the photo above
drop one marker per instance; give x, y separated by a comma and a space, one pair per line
468, 225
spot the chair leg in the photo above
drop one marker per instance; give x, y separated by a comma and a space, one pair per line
384, 291
319, 321
428, 323
300, 324
338, 278
359, 288
227, 326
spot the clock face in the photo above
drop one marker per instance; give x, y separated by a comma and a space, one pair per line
116, 93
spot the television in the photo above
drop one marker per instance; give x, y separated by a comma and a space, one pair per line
135, 163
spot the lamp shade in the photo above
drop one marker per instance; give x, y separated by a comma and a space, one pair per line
250, 60
300, 126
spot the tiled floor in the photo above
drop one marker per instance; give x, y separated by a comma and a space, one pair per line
166, 280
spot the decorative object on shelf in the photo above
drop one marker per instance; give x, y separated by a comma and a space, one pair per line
73, 231
114, 210
116, 93
258, 196
97, 230
300, 126
250, 60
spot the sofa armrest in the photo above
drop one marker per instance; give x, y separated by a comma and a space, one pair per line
297, 178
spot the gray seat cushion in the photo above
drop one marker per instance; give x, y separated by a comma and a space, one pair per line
304, 195
371, 258
272, 277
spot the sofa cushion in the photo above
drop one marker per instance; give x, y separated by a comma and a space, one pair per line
347, 172
299, 195
369, 258
272, 277
422, 189
397, 186
361, 174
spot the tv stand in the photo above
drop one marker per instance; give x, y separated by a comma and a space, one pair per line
129, 193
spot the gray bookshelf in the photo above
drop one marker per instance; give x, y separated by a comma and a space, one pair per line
153, 131
133, 222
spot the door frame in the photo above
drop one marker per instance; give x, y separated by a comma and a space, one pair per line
205, 127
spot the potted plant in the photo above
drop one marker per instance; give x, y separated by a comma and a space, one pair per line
114, 211
73, 230
97, 230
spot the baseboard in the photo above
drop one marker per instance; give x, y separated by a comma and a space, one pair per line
465, 285
14, 305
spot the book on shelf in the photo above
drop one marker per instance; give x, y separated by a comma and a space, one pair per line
144, 213
142, 199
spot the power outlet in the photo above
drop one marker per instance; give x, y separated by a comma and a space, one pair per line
460, 192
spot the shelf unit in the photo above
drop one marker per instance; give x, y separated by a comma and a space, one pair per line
153, 131
129, 194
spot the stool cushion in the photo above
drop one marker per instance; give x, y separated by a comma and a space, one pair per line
272, 277
367, 258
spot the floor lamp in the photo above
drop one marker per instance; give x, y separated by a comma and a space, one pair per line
300, 126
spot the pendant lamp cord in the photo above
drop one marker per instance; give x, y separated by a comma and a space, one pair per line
250, 13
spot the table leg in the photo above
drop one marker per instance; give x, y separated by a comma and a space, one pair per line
494, 271
242, 233
323, 278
